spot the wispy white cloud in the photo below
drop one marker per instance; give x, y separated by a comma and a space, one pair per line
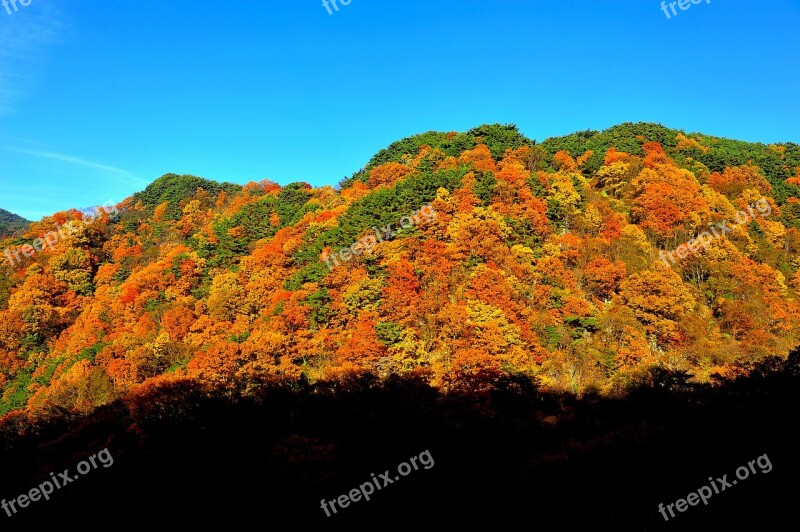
67, 181
25, 36
70, 159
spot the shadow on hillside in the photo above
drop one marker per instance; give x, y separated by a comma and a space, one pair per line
188, 457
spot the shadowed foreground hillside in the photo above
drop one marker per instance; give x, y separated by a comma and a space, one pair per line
197, 456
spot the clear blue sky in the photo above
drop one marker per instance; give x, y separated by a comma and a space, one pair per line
99, 98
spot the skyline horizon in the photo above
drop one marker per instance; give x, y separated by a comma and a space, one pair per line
90, 205
105, 98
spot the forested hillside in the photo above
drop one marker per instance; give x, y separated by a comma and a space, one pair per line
578, 263
10, 222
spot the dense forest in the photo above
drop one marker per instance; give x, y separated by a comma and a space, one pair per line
541, 260
545, 317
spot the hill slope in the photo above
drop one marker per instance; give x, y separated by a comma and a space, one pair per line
11, 223
582, 263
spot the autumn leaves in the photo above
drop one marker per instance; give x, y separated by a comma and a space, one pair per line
717, 230
49, 239
365, 244
511, 258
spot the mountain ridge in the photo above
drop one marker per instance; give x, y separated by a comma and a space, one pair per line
11, 223
542, 262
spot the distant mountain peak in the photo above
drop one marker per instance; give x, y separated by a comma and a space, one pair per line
10, 223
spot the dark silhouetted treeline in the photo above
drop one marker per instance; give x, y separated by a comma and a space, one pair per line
187, 456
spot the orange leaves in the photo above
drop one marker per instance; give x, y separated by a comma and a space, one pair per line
554, 273
389, 174
511, 194
235, 232
12, 329
432, 155
739, 320
480, 158
270, 187
687, 143
356, 191
294, 316
576, 307
657, 292
470, 371
205, 330
603, 221
795, 179
125, 250
659, 209
491, 285
614, 156
226, 298
602, 277
362, 347
633, 347
177, 322
654, 155
128, 294
658, 299
581, 160
401, 294
160, 210
193, 216
513, 171
481, 232
145, 327
534, 210
668, 200
216, 365
564, 162
464, 197
733, 181
515, 174
570, 245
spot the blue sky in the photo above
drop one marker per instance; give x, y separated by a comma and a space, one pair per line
99, 98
